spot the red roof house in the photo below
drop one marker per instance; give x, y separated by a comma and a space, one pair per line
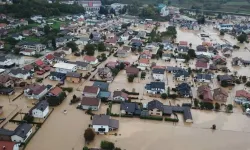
201, 65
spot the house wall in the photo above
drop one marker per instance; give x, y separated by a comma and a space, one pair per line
91, 94
118, 98
40, 114
86, 107
96, 127
9, 83
203, 80
155, 112
158, 76
166, 58
220, 98
73, 80
5, 138
16, 147
241, 100
62, 70
45, 91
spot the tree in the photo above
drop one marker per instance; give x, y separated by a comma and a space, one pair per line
89, 135
117, 148
103, 56
85, 148
53, 42
28, 118
107, 145
103, 10
229, 107
160, 52
242, 38
131, 78
164, 95
101, 47
224, 83
122, 66
196, 103
244, 79
217, 106
46, 29
91, 36
222, 32
191, 53
74, 96
201, 20
112, 11
73, 46
247, 84
90, 49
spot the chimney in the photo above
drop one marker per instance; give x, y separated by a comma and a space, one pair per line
3, 147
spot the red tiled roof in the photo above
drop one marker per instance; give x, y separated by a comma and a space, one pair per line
50, 57
201, 64
206, 92
243, 93
120, 93
132, 70
7, 145
90, 89
2, 25
144, 61
39, 62
56, 91
89, 58
185, 43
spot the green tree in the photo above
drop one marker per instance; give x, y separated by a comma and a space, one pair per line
46, 29
217, 106
191, 53
131, 78
101, 47
242, 38
222, 32
89, 135
91, 36
106, 145
53, 42
73, 46
244, 79
122, 66
229, 107
196, 103
164, 95
90, 49
247, 84
224, 83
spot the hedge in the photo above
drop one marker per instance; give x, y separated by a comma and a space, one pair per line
129, 116
39, 79
130, 93
171, 119
115, 115
68, 89
152, 118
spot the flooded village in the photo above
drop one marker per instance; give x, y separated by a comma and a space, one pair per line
140, 84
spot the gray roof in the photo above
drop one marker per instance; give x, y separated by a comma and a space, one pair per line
129, 107
105, 120
204, 76
73, 74
181, 73
42, 105
2, 58
102, 85
23, 129
18, 71
170, 68
168, 110
155, 104
158, 71
6, 132
160, 85
225, 77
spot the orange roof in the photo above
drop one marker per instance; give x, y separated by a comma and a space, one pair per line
144, 61
56, 91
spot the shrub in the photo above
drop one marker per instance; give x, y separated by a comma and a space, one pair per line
68, 89
151, 118
206, 105
143, 74
196, 103
236, 47
164, 95
224, 83
106, 145
130, 93
229, 107
89, 135
173, 96
129, 116
28, 118
222, 32
248, 84
131, 78
217, 106
237, 81
115, 115
171, 119
39, 79
244, 79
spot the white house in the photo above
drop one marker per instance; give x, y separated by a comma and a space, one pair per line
155, 87
8, 145
27, 52
36, 91
90, 103
166, 56
35, 18
65, 67
22, 133
103, 124
158, 74
120, 96
20, 73
225, 27
41, 109
124, 37
91, 91
6, 62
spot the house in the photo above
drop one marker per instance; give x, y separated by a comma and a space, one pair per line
91, 91
20, 73
35, 46
218, 60
39, 63
50, 58
168, 46
146, 54
65, 67
90, 59
171, 69
61, 41
22, 133
220, 94
26, 33
242, 97
67, 50
60, 54
92, 103
187, 115
40, 110
227, 52
36, 91
7, 91
60, 60
183, 43
132, 71
104, 86
7, 63
184, 90
58, 76
203, 78
73, 77
27, 52
17, 37
120, 96
102, 124
3, 32
182, 49
56, 92
29, 68
155, 108
203, 58
122, 53
152, 46
204, 93
181, 75
155, 88
128, 108
136, 43
82, 65
236, 61
124, 37
8, 145
201, 48
201, 65
143, 63
166, 56
105, 72
225, 78
158, 74
6, 81
3, 25
5, 135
